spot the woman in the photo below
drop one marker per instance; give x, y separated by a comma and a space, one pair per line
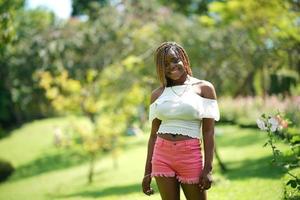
179, 108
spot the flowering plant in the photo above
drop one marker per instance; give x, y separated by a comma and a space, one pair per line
274, 126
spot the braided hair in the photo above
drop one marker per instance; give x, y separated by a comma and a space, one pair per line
160, 59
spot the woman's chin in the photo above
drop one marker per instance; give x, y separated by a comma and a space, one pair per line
175, 77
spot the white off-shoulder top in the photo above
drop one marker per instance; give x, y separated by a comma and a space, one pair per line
181, 110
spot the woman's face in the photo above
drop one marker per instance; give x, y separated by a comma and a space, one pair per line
174, 68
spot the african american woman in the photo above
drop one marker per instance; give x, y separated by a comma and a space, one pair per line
183, 112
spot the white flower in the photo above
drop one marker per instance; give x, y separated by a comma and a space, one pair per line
261, 124
274, 124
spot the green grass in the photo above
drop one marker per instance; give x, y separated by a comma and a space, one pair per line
45, 172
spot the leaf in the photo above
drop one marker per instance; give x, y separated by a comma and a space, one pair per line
277, 152
265, 144
287, 166
293, 183
295, 139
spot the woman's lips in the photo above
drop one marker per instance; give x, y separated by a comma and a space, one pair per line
175, 70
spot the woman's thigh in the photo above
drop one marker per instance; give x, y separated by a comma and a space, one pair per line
193, 192
169, 188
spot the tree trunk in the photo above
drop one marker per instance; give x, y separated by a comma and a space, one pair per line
221, 164
91, 170
243, 88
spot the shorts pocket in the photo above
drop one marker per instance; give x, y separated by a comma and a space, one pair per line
158, 143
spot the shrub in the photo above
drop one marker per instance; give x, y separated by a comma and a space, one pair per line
276, 127
245, 110
6, 169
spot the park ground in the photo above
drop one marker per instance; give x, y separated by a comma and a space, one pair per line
44, 171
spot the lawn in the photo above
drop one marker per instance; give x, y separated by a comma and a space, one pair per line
46, 172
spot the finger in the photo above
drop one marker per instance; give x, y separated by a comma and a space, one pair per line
150, 192
204, 185
146, 189
201, 186
201, 189
145, 186
207, 186
201, 183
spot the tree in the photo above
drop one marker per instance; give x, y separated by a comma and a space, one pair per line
189, 7
259, 33
8, 11
105, 100
86, 7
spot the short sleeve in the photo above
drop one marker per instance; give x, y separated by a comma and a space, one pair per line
152, 112
210, 109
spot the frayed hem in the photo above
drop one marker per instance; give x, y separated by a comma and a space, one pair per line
188, 181
180, 179
158, 174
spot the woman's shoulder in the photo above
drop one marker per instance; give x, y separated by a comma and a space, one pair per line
156, 93
207, 88
196, 81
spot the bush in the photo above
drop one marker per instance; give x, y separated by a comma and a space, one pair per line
2, 132
6, 169
275, 126
244, 111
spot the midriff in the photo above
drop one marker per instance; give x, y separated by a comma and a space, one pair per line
173, 137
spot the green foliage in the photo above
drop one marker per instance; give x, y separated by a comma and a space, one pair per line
63, 92
98, 98
18, 63
283, 81
80, 7
189, 7
256, 32
274, 126
8, 11
110, 55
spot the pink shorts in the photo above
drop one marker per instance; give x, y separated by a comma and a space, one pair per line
180, 159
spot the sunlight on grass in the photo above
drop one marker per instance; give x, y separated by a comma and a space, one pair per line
44, 172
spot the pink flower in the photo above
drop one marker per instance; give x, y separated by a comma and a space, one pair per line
282, 122
272, 123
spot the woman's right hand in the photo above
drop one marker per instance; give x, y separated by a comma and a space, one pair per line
146, 185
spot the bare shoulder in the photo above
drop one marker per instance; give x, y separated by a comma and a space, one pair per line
156, 93
207, 89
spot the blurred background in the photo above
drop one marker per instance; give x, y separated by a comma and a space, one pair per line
76, 78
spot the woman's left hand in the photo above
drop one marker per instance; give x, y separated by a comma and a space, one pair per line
205, 180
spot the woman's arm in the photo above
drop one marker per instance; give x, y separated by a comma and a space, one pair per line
154, 128
155, 125
208, 143
208, 124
